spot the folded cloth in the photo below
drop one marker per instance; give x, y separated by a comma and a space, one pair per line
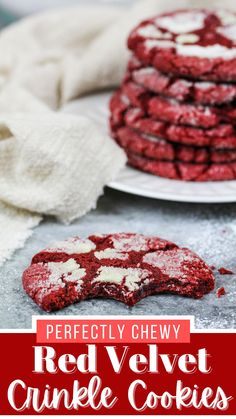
53, 163
62, 175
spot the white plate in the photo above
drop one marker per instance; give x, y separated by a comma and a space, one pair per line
139, 183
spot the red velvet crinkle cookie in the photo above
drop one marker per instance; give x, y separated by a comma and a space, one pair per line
178, 113
125, 267
119, 104
201, 92
190, 114
123, 113
135, 94
222, 136
191, 43
159, 149
184, 171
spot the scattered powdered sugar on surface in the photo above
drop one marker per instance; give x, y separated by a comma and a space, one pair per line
233, 226
182, 22
111, 254
72, 245
222, 321
214, 241
130, 277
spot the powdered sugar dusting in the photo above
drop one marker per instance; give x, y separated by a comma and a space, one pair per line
135, 242
145, 71
182, 22
152, 43
226, 17
56, 284
189, 38
204, 85
184, 25
69, 271
191, 50
151, 31
171, 262
229, 31
212, 51
128, 243
111, 254
153, 139
125, 99
130, 277
72, 245
58, 274
133, 114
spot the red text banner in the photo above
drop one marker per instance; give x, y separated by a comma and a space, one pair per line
54, 372
115, 330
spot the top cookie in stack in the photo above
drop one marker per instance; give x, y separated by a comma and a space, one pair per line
175, 112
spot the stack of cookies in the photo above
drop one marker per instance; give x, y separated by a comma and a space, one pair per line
175, 112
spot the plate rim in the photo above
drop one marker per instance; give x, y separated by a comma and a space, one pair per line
99, 101
195, 199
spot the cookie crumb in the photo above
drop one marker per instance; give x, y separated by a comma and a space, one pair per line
220, 292
224, 271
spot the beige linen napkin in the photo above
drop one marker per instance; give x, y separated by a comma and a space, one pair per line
50, 162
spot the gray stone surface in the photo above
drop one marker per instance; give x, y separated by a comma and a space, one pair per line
210, 230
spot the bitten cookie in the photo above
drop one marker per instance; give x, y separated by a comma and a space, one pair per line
125, 267
199, 44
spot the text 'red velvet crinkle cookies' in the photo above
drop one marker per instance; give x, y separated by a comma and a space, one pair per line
125, 267
199, 44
